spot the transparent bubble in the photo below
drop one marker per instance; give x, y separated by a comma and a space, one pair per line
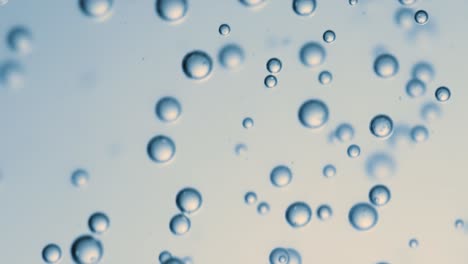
171, 10
298, 214
161, 149
379, 195
270, 81
279, 256
329, 36
423, 71
180, 224
353, 2
247, 123
11, 75
304, 7
312, 54
80, 178
344, 132
380, 165
231, 56
98, 223
224, 29
381, 126
52, 254
325, 77
87, 250
353, 151
421, 17
363, 216
168, 109
443, 94
294, 256
313, 114
459, 224
174, 260
96, 8
252, 3
189, 200
413, 243
324, 212
329, 171
274, 65
240, 149
430, 111
19, 40
419, 134
3, 2
386, 65
197, 65
415, 88
263, 208
407, 2
280, 176
164, 256
250, 198
404, 17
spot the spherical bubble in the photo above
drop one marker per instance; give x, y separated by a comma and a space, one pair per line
11, 75
270, 81
274, 65
80, 178
231, 56
415, 88
250, 198
171, 10
197, 65
325, 77
419, 133
263, 208
280, 176
423, 71
179, 224
404, 18
161, 149
353, 2
381, 126
380, 166
313, 114
168, 109
329, 36
363, 216
19, 39
164, 256
298, 214
294, 256
379, 195
304, 7
430, 111
407, 2
312, 54
386, 66
279, 256
324, 212
224, 29
344, 132
413, 243
87, 250
240, 149
442, 94
247, 123
252, 3
98, 223
329, 171
459, 224
96, 8
421, 17
52, 254
353, 151
189, 200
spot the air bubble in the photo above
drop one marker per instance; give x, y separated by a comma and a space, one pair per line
459, 224
189, 200
298, 214
240, 149
52, 254
179, 224
80, 178
280, 176
386, 66
11, 75
442, 94
19, 40
381, 126
168, 109
421, 17
379, 195
270, 81
161, 149
96, 8
87, 250
324, 212
419, 134
353, 2
380, 166
313, 114
224, 29
415, 88
430, 111
252, 3
423, 71
164, 256
263, 208
413, 243
274, 65
247, 123
329, 36
353, 151
304, 7
98, 223
171, 10
250, 198
325, 77
407, 2
329, 171
231, 56
197, 65
279, 256
312, 54
363, 216
344, 132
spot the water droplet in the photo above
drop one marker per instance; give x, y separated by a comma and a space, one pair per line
380, 166
197, 65
274, 65
407, 2
279, 256
96, 8
329, 171
381, 126
270, 81
353, 151
80, 178
280, 176
419, 134
247, 123
171, 10
231, 56
11, 75
415, 88
386, 66
304, 7
423, 71
52, 254
459, 224
263, 208
224, 29
164, 256
168, 109
312, 54
298, 214
430, 111
19, 40
189, 200
353, 2
421, 17
324, 212
98, 223
252, 3
325, 77
161, 149
413, 243
313, 114
240, 149
344, 132
180, 224
250, 198
442, 94
379, 195
329, 36
363, 216
87, 250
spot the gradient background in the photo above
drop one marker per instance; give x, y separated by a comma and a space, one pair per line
89, 99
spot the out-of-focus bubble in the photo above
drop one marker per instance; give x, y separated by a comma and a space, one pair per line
443, 94
353, 151
87, 250
380, 165
174, 260
274, 65
404, 18
415, 88
250, 198
252, 3
294, 256
329, 36
270, 81
168, 109
421, 17
197, 65
379, 195
419, 134
179, 224
3, 2
344, 132
329, 171
164, 256
312, 54
363, 216
353, 2
20, 40
96, 8
171, 10
263, 208
247, 123
231, 56
240, 149
52, 254
304, 7
325, 77
413, 243
430, 111
386, 66
313, 114
80, 178
459, 224
98, 223
279, 256
189, 200
298, 214
324, 212
407, 2
381, 126
423, 71
224, 29
11, 75
161, 149
280, 176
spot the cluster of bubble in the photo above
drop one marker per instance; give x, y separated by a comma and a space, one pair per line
189, 201
274, 66
165, 257
281, 255
250, 198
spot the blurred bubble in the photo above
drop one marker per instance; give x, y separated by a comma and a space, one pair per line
329, 36
173, 260
379, 195
353, 2
279, 256
304, 7
380, 165
313, 114
250, 198
353, 151
329, 171
168, 109
459, 224
413, 243
52, 254
240, 149
312, 54
197, 65
161, 149
298, 214
224, 29
19, 40
419, 134
430, 111
98, 223
407, 2
164, 256
324, 212
252, 3
415, 88
421, 17
11, 75
171, 10
325, 77
423, 71
263, 208
96, 8
294, 256
270, 81
442, 94
87, 250
274, 65
179, 224
344, 132
404, 18
189, 200
280, 176
3, 2
363, 216
80, 178
386, 65
231, 56
247, 123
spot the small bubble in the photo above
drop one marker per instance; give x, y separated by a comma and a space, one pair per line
96, 8
263, 208
189, 200
325, 77
324, 212
270, 81
313, 114
419, 134
442, 94
353, 151
430, 111
379, 195
353, 2
11, 75
298, 214
250, 198
459, 224
87, 250
197, 65
423, 71
80, 178
252, 3
19, 39
240, 149
329, 36
363, 216
3, 2
413, 243
224, 29
164, 256
329, 171
386, 65
312, 54
279, 256
52, 254
421, 17
247, 123
274, 65
168, 109
171, 10
280, 176
344, 132
407, 2
98, 223
404, 18
381, 126
415, 88
174, 260
180, 224
380, 166
161, 149
304, 7
231, 56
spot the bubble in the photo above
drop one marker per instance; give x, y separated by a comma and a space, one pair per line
3, 2
168, 109
423, 71
161, 149
96, 8
380, 165
270, 81
87, 250
413, 243
344, 132
11, 75
274, 65
231, 56
263, 208
298, 214
80, 178
164, 256
363, 216
312, 54
224, 29
197, 65
279, 256
247, 123
240, 149
459, 224
52, 254
313, 114
180, 224
353, 151
381, 126
421, 17
386, 66
294, 256
304, 7
329, 36
353, 2
280, 176
324, 212
325, 77
171, 10
415, 88
189, 200
379, 195
404, 17
19, 40
329, 171
430, 111
250, 198
98, 223
419, 133
442, 94
407, 2
174, 260
252, 3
